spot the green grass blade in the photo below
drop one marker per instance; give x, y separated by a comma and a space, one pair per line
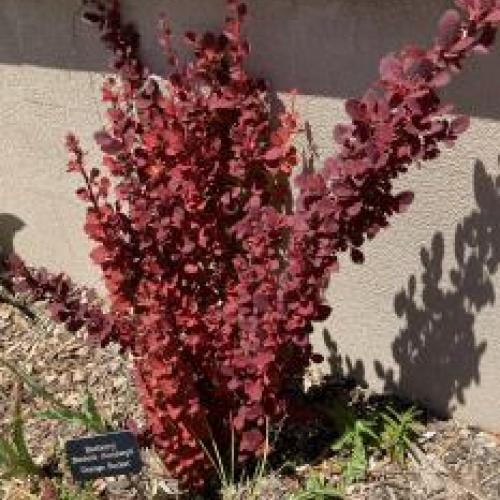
36, 388
65, 415
94, 420
7, 453
19, 441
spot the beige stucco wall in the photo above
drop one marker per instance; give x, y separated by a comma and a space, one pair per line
421, 315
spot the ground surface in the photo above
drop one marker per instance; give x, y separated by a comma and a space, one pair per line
456, 462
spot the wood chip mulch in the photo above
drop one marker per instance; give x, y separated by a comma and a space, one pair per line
67, 366
455, 462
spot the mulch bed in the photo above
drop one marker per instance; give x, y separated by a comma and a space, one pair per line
455, 462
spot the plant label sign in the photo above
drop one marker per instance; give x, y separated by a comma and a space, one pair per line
103, 455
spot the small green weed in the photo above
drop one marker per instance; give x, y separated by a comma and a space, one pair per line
15, 458
88, 416
399, 433
317, 488
66, 492
357, 436
388, 431
232, 488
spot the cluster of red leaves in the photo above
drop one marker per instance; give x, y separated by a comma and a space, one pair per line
213, 281
72, 305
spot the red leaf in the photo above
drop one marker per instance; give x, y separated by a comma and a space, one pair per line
464, 43
355, 109
108, 144
404, 200
481, 49
254, 391
494, 17
242, 10
449, 28
390, 67
100, 255
191, 268
341, 133
273, 153
191, 37
354, 209
175, 141
251, 441
83, 194
262, 360
441, 79
460, 124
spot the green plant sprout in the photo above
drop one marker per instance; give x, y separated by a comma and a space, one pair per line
357, 436
392, 433
248, 483
15, 458
399, 433
88, 415
317, 488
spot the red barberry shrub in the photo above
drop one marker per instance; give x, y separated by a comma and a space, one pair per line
213, 280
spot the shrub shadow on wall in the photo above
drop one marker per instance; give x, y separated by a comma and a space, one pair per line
343, 366
9, 225
436, 354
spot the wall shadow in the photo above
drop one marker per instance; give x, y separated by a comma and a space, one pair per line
9, 225
436, 353
343, 366
325, 48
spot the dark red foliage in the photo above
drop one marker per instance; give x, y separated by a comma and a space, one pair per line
399, 120
73, 306
213, 283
